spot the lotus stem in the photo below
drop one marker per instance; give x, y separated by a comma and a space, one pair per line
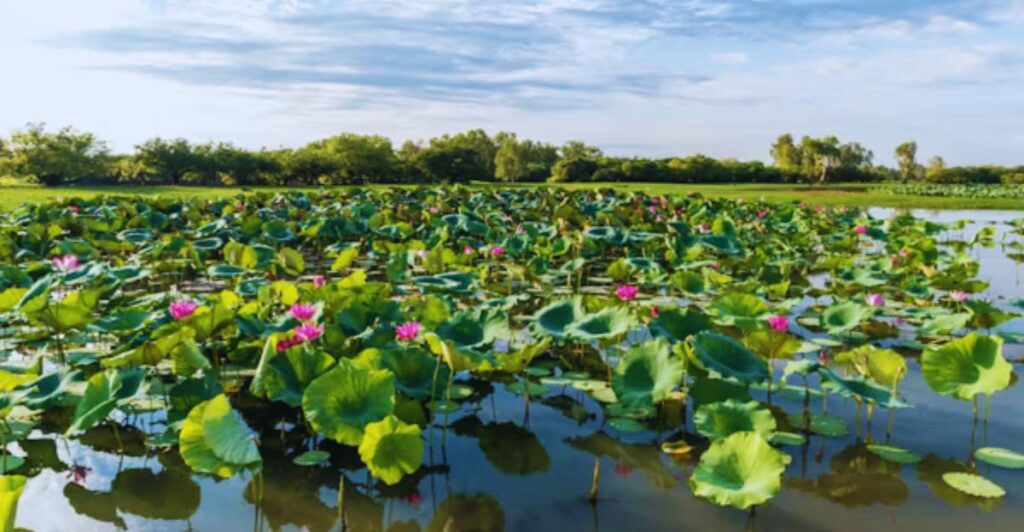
592, 497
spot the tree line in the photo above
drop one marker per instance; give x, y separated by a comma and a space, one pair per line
69, 156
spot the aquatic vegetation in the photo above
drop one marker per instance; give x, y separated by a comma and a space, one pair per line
338, 332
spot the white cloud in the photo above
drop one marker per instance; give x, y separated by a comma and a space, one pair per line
716, 76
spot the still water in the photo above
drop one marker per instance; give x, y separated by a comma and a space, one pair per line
504, 465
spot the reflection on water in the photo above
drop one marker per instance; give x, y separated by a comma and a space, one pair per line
504, 463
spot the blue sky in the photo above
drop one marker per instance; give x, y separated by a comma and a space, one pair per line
644, 77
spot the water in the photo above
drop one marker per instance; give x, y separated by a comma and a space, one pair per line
504, 465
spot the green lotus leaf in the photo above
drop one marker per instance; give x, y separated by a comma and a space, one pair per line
1000, 457
608, 322
745, 311
690, 282
944, 323
822, 424
646, 373
102, 393
11, 487
844, 317
121, 322
416, 372
292, 371
894, 454
974, 485
726, 244
741, 470
9, 462
884, 366
341, 402
311, 458
729, 358
227, 435
718, 420
790, 439
679, 324
626, 425
773, 345
391, 449
707, 390
198, 454
519, 360
966, 367
208, 244
864, 389
468, 330
556, 318
225, 271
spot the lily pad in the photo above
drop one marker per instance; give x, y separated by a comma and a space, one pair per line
975, 485
1000, 457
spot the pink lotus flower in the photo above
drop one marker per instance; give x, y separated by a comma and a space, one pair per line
713, 266
468, 250
65, 263
762, 214
803, 203
653, 209
822, 358
183, 308
894, 262
959, 296
875, 300
703, 228
307, 332
861, 229
627, 292
240, 207
779, 323
904, 253
303, 311
408, 331
658, 218
497, 251
422, 253
655, 311
286, 343
319, 281
74, 209
520, 230
433, 209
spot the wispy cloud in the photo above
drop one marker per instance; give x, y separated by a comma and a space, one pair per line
700, 71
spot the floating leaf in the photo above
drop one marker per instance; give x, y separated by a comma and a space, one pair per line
1000, 457
974, 485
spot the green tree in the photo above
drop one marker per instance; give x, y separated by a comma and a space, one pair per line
167, 160
356, 159
55, 158
818, 157
906, 160
511, 160
786, 154
936, 171
577, 162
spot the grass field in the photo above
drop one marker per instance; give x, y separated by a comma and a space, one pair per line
851, 195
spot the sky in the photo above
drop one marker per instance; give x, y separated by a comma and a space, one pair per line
634, 77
